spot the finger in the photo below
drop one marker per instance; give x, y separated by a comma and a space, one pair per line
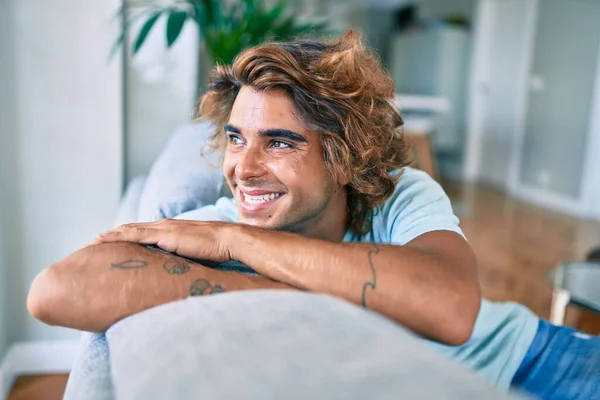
115, 233
131, 233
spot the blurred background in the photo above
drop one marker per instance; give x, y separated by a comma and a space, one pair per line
501, 100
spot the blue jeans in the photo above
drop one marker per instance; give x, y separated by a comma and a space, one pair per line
562, 363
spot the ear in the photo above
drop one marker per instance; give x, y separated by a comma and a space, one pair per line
343, 179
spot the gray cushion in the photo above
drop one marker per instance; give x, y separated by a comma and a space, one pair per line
184, 177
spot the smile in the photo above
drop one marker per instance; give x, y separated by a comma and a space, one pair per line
261, 198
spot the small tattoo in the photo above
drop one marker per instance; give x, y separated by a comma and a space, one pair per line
202, 287
176, 268
129, 264
157, 249
218, 289
373, 283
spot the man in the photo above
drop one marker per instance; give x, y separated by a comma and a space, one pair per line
322, 203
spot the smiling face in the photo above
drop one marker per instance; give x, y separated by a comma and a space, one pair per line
276, 169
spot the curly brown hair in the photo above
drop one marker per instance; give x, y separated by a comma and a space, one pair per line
339, 90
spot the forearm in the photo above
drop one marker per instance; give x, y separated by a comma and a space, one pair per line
412, 286
101, 284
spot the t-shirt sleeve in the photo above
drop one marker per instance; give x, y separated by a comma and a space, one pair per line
223, 210
419, 205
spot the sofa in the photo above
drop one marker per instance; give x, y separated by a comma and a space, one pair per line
251, 345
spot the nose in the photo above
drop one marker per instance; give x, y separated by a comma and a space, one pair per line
250, 164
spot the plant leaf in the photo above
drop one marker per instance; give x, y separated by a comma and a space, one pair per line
251, 6
277, 10
116, 45
121, 18
145, 31
213, 12
175, 25
199, 16
217, 12
225, 44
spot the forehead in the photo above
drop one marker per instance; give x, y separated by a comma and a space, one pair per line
256, 110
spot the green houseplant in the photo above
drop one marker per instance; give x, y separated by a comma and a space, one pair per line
225, 27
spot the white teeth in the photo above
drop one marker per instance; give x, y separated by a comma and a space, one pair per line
260, 199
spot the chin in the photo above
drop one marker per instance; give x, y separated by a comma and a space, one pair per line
266, 223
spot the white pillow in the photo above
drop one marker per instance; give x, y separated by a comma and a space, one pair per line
185, 176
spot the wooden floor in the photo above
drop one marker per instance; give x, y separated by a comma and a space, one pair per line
516, 245
39, 387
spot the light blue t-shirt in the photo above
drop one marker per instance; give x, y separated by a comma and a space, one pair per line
503, 331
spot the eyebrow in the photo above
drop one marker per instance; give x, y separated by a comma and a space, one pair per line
283, 133
272, 133
231, 128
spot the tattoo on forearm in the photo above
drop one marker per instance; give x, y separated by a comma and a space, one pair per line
372, 284
191, 262
176, 268
202, 287
129, 264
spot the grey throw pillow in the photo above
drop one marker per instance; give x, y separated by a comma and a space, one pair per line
185, 176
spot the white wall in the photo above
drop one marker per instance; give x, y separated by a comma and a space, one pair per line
545, 103
3, 297
60, 143
590, 182
7, 124
501, 86
559, 106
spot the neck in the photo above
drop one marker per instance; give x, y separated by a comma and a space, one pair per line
333, 223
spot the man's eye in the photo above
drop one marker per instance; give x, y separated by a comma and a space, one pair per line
278, 144
234, 139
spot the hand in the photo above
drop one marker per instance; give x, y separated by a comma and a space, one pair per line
192, 239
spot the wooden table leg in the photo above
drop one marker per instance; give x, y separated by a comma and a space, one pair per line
423, 152
560, 300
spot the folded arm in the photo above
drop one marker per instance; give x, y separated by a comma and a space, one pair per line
101, 284
429, 285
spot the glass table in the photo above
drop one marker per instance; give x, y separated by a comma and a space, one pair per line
578, 284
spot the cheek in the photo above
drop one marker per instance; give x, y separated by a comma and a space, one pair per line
290, 165
228, 165
289, 170
302, 172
